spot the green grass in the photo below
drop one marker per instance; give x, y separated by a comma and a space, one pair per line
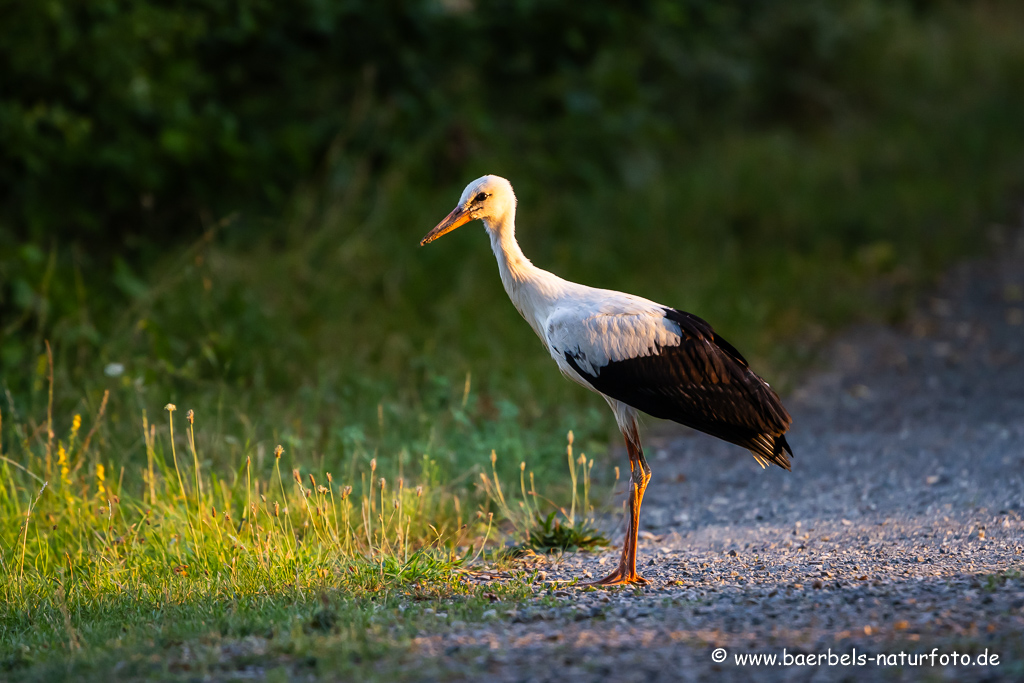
332, 334
191, 630
99, 570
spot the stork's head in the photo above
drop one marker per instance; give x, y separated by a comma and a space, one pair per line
489, 199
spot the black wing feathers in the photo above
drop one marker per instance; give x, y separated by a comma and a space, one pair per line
703, 383
697, 327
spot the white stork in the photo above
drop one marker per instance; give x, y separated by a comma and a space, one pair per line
637, 354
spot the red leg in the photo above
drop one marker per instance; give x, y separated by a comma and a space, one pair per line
640, 475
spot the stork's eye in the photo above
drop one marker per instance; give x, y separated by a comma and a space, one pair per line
480, 197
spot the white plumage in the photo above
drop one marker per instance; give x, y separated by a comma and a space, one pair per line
607, 326
638, 354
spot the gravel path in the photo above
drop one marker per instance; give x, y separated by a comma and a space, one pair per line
899, 530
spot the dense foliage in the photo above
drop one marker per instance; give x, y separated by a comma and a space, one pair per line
123, 118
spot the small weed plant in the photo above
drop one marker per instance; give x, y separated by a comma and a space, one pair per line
559, 529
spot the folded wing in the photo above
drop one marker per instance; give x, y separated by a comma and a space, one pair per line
672, 365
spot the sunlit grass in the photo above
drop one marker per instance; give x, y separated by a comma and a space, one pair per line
184, 521
95, 547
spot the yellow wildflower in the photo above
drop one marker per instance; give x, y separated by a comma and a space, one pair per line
76, 424
65, 472
62, 462
101, 490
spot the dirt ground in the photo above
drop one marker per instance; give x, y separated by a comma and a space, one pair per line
899, 532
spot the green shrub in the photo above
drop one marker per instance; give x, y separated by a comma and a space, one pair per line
122, 121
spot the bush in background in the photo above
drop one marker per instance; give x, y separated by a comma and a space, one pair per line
121, 121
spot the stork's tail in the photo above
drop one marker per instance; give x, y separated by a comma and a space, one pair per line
768, 449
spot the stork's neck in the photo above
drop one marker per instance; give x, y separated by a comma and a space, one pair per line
513, 265
532, 290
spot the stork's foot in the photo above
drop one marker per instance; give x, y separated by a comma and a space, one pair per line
620, 577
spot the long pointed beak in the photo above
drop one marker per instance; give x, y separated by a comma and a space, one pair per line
457, 217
